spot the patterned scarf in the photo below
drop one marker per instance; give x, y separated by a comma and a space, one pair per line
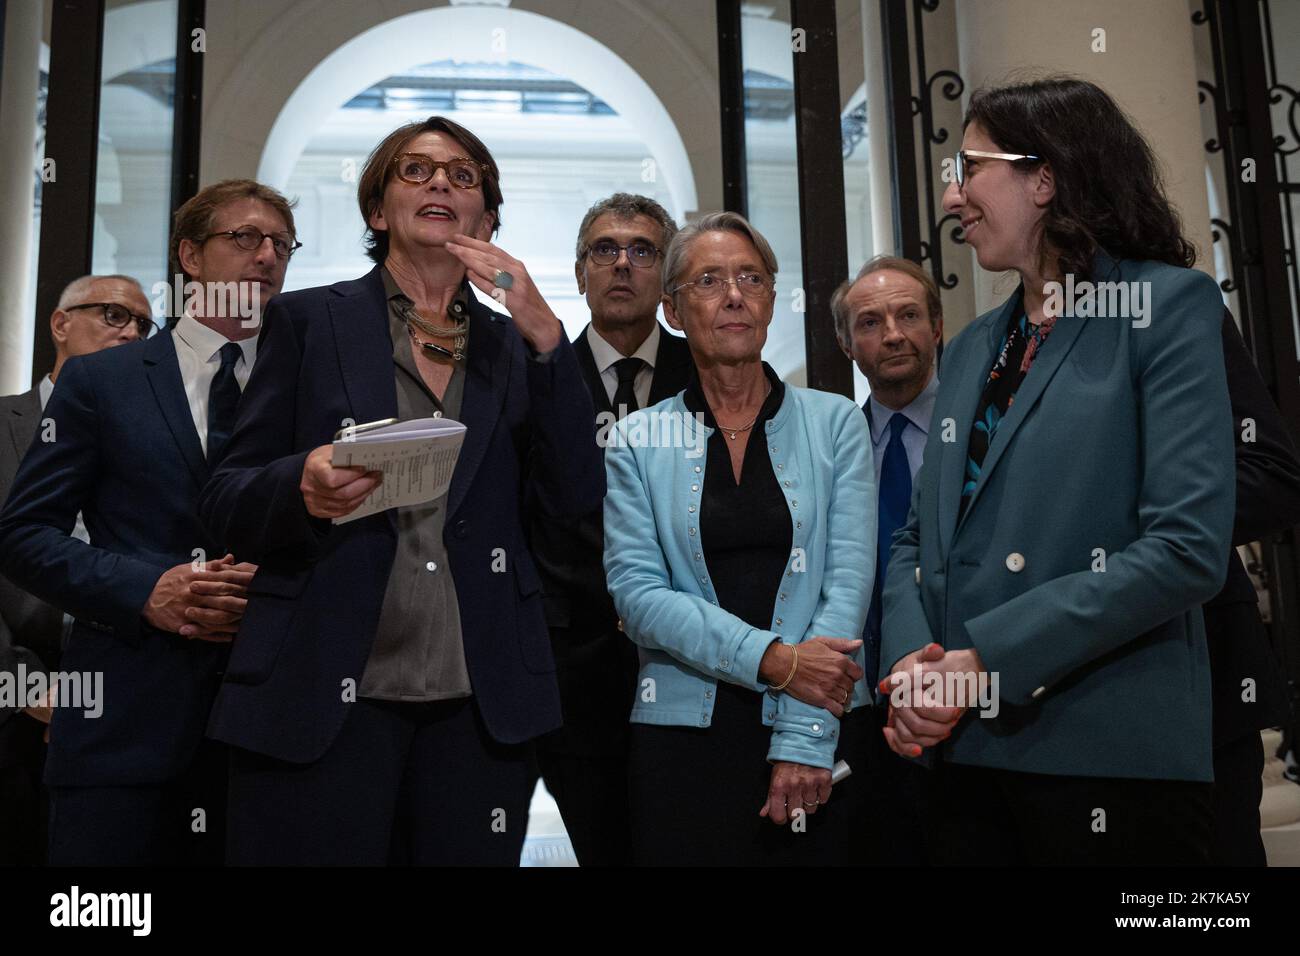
1020, 345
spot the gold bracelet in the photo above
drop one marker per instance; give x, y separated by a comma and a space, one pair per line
794, 666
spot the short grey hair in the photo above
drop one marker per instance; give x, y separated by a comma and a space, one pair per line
840, 307
626, 206
679, 248
78, 288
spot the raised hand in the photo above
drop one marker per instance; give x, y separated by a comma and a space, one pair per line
532, 316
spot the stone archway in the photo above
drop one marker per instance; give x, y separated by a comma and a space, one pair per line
469, 33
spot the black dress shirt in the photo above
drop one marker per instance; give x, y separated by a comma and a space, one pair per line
746, 527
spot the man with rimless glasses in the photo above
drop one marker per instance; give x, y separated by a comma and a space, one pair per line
132, 436
628, 361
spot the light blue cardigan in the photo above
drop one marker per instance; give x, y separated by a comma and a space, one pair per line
820, 448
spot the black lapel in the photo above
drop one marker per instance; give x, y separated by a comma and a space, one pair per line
164, 374
359, 317
487, 379
587, 362
672, 366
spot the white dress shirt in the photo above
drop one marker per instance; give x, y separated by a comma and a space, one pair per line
198, 350
606, 355
46, 390
914, 435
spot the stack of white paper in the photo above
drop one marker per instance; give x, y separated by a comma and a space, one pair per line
416, 457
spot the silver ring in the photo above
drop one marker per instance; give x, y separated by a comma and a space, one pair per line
503, 279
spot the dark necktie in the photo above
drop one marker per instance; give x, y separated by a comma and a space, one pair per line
895, 499
223, 402
625, 394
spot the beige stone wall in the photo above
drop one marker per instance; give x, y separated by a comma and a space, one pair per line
261, 50
1148, 66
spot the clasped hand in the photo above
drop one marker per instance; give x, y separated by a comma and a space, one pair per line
825, 673
203, 603
913, 725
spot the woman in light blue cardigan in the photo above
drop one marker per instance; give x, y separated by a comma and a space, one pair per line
739, 532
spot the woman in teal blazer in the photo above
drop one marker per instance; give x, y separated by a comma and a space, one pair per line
739, 534
1074, 509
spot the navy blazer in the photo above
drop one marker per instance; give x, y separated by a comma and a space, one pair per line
125, 454
1101, 521
326, 358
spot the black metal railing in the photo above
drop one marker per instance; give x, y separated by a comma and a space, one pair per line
1260, 237
919, 219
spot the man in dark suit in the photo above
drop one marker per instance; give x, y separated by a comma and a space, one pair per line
135, 431
1248, 689
629, 361
94, 313
889, 320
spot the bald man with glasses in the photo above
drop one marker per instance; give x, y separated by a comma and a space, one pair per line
94, 313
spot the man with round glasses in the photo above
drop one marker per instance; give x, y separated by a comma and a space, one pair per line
133, 434
94, 313
629, 361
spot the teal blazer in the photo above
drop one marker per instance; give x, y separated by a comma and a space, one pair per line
820, 450
1102, 520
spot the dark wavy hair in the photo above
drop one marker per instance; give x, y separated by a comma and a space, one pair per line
1109, 191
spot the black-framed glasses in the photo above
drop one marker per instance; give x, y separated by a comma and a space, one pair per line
250, 240
604, 252
118, 316
752, 285
963, 154
417, 169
